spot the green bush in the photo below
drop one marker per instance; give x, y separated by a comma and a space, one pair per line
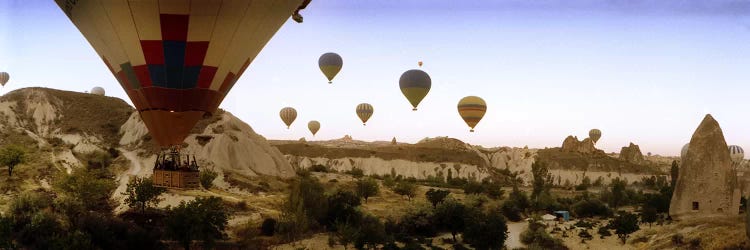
367, 187
405, 188
356, 172
319, 168
207, 177
590, 208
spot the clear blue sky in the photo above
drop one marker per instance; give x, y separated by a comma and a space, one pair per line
641, 71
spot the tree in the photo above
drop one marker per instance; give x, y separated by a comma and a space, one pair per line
142, 193
371, 233
436, 196
207, 177
619, 195
648, 215
515, 205
625, 224
93, 187
11, 156
367, 187
590, 208
485, 231
536, 237
449, 215
201, 219
406, 188
541, 175
342, 207
674, 173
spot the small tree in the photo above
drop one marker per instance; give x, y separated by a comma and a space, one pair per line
406, 188
450, 216
142, 193
625, 224
648, 215
485, 231
436, 196
11, 156
367, 188
207, 177
201, 219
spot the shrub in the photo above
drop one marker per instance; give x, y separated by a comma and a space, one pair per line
536, 237
678, 239
603, 232
201, 219
405, 188
436, 196
142, 193
319, 168
207, 177
367, 187
590, 208
356, 172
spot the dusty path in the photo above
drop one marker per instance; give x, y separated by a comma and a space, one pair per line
135, 169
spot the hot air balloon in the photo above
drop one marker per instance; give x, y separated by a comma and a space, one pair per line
364, 111
314, 126
288, 115
737, 154
4, 77
419, 63
595, 134
97, 91
415, 84
472, 109
330, 63
177, 59
684, 151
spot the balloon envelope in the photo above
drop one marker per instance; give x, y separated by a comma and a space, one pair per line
4, 78
737, 154
595, 134
472, 109
288, 115
415, 84
97, 91
177, 59
364, 111
330, 63
314, 126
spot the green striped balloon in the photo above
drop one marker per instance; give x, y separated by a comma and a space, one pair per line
472, 110
364, 111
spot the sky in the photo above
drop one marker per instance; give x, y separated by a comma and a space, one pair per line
642, 71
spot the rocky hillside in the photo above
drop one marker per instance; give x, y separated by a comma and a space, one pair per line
61, 129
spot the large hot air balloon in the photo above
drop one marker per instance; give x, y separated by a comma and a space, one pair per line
364, 111
314, 126
595, 134
415, 84
97, 91
177, 59
330, 63
472, 109
4, 77
288, 115
737, 154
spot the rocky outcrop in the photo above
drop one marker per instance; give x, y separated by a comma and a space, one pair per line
572, 144
632, 154
706, 184
393, 142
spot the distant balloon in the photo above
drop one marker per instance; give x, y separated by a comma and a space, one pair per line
4, 77
288, 115
97, 91
737, 154
684, 151
314, 126
420, 63
595, 134
415, 84
364, 111
330, 63
472, 109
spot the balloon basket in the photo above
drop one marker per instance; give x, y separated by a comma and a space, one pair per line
471, 130
175, 170
414, 109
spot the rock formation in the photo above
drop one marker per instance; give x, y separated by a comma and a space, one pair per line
632, 154
705, 186
572, 144
393, 142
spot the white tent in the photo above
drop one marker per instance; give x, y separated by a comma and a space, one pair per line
548, 217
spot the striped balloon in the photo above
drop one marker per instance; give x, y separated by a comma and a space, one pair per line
330, 63
314, 126
737, 154
177, 59
415, 84
472, 109
288, 115
595, 134
364, 111
97, 91
4, 77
